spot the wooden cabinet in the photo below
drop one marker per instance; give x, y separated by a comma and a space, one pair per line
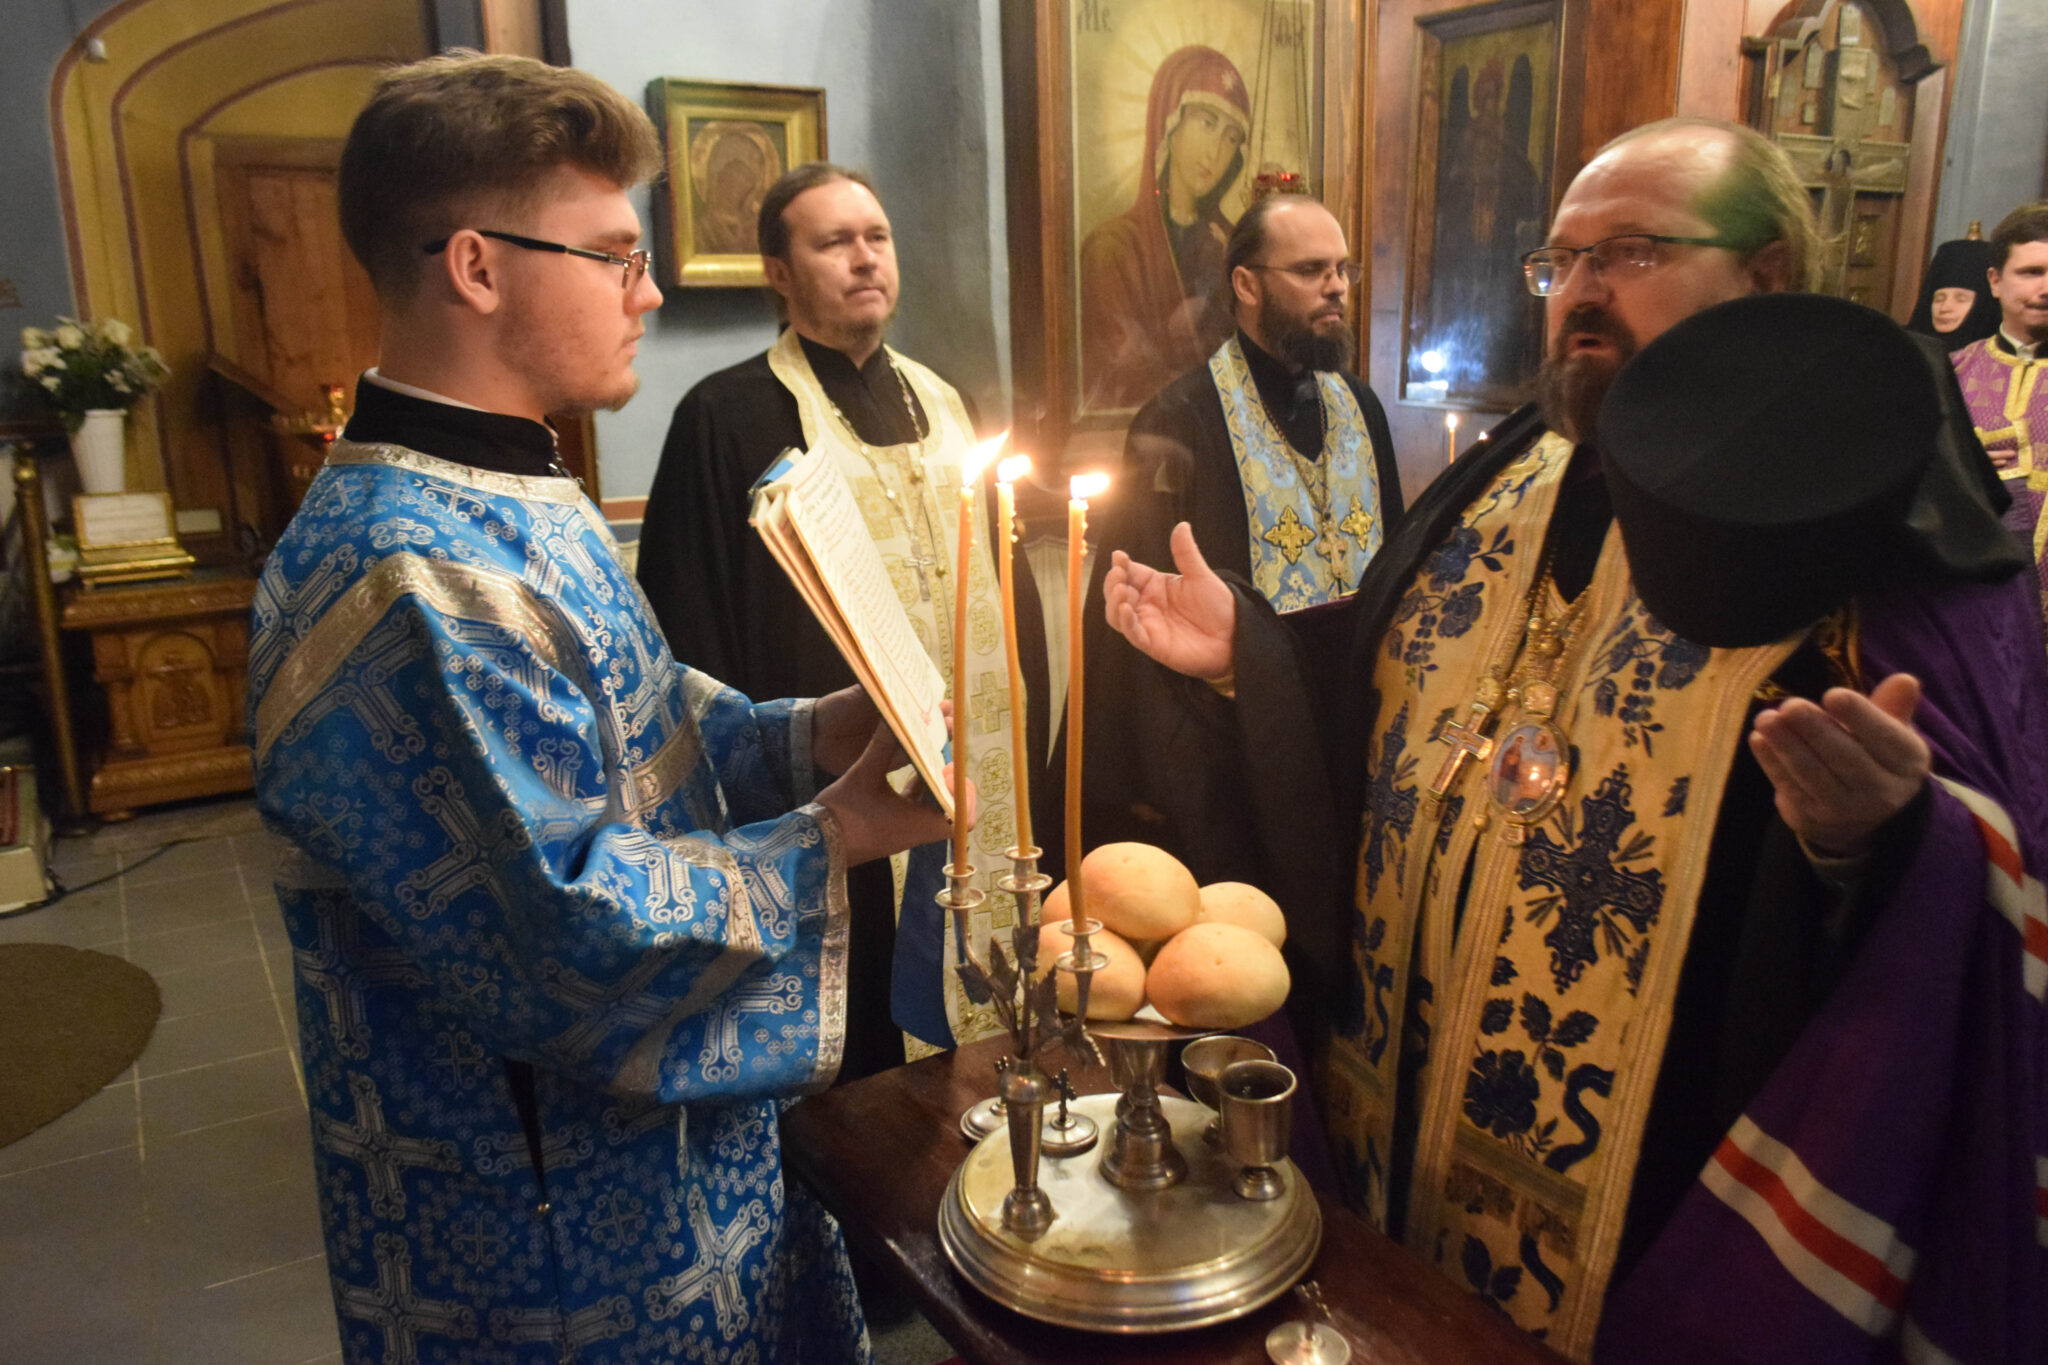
170, 659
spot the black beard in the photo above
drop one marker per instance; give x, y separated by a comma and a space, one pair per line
1299, 343
1569, 389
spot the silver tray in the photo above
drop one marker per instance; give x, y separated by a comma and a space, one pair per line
1118, 1261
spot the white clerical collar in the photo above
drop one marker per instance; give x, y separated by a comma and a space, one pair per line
413, 391
2028, 351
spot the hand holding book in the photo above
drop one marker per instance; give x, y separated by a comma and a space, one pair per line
807, 516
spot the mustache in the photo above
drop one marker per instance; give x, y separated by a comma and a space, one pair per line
1593, 320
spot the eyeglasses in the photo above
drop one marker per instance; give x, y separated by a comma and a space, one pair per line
633, 267
1547, 268
1313, 273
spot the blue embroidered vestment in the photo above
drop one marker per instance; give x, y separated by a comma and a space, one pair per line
522, 832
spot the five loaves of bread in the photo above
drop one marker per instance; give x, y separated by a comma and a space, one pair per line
1204, 957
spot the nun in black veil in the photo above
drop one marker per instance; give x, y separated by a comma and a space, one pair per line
1959, 268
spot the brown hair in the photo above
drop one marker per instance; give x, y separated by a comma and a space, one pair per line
1248, 238
2027, 223
770, 228
1756, 200
463, 134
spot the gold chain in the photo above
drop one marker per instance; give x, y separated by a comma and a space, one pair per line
1525, 674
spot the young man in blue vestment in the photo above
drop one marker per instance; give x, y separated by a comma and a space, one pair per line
569, 916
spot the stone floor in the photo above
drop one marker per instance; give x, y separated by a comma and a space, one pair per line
171, 1219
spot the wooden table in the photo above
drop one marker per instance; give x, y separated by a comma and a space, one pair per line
878, 1154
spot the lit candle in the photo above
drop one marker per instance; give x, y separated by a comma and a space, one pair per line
1080, 488
970, 475
1007, 474
1450, 438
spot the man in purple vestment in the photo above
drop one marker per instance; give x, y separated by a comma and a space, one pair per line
2005, 376
1846, 1157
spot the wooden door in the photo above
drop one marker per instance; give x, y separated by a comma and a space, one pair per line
304, 314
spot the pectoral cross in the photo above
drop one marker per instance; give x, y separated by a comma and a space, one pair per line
1467, 741
921, 561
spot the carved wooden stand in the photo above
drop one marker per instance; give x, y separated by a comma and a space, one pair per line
171, 658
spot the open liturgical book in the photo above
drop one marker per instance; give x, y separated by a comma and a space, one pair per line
805, 511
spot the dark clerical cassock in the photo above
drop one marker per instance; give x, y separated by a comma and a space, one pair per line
899, 434
1289, 483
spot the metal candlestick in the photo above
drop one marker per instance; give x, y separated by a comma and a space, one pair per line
1026, 1210
1029, 1009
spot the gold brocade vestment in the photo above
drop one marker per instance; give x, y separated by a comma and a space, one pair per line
908, 498
1545, 946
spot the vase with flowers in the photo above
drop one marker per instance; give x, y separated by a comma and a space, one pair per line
92, 373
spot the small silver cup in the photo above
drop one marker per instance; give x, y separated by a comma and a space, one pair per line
1204, 1059
1257, 1099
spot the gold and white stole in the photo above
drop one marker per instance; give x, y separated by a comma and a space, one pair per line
917, 532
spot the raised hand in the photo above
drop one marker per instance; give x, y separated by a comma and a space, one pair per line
1185, 620
1845, 767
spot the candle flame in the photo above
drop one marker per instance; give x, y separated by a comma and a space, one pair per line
1450, 421
1013, 469
978, 458
1085, 486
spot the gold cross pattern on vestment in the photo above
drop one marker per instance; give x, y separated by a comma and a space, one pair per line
1358, 522
1289, 535
991, 696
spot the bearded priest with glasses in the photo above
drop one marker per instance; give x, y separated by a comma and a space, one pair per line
1278, 456
1681, 807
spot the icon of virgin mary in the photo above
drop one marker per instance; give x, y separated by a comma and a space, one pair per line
1152, 298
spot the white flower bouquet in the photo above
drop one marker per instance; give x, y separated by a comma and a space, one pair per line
88, 365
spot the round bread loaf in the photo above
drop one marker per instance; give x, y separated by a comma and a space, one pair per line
1243, 904
1118, 990
1140, 891
1054, 907
1217, 976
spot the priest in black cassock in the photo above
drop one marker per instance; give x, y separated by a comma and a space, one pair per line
899, 433
1277, 454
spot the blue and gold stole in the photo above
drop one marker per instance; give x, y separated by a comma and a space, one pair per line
1293, 505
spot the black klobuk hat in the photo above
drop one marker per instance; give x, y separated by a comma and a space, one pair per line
1763, 455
